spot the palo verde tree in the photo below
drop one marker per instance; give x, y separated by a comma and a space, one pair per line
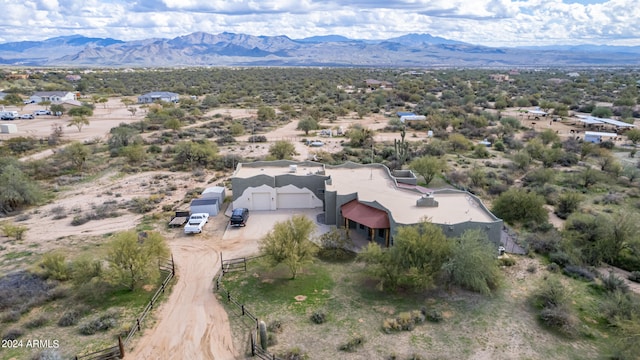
282, 149
79, 122
133, 258
307, 124
472, 264
414, 261
520, 206
16, 188
289, 243
428, 167
77, 153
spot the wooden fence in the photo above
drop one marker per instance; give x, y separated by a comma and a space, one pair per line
238, 265
117, 352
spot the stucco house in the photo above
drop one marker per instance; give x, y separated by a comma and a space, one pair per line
55, 97
368, 199
152, 97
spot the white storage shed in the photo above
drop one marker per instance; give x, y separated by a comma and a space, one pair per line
214, 192
210, 206
8, 128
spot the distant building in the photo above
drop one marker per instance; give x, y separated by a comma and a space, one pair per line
73, 77
377, 84
499, 77
155, 96
55, 97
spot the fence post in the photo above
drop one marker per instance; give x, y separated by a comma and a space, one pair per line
228, 296
121, 347
253, 347
221, 264
173, 266
138, 324
242, 307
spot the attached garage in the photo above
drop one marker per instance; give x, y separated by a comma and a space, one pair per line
261, 201
294, 201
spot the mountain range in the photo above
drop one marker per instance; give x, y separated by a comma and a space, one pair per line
230, 49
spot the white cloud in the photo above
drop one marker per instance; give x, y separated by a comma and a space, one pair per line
486, 22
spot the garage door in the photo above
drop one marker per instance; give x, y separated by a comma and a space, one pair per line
294, 201
261, 201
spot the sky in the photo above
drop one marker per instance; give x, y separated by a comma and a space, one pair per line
482, 22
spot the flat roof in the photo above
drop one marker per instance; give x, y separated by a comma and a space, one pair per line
597, 133
375, 185
588, 119
277, 169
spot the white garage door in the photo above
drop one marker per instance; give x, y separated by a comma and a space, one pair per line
294, 201
261, 201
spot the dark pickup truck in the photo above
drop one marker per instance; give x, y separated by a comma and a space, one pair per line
179, 219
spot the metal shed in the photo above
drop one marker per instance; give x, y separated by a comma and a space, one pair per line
214, 192
8, 128
210, 206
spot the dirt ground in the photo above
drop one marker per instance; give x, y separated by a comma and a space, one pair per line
190, 323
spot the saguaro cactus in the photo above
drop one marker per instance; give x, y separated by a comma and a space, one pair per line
263, 335
401, 148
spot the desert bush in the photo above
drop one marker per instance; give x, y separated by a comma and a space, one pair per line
54, 266
72, 316
275, 326
22, 290
433, 315
13, 230
560, 258
12, 334
618, 305
553, 267
352, 345
612, 283
48, 354
550, 294
102, 323
318, 317
390, 325
544, 243
59, 212
10, 316
295, 354
578, 272
506, 261
560, 318
532, 268
36, 322
634, 276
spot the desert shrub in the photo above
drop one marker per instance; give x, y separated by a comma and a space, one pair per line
613, 283
506, 261
47, 354
141, 205
532, 268
10, 316
544, 243
13, 230
54, 266
275, 326
560, 258
102, 323
295, 354
257, 139
23, 290
578, 272
80, 220
560, 318
352, 345
434, 315
553, 267
390, 325
406, 321
335, 245
12, 334
36, 322
551, 293
318, 317
71, 316
58, 212
634, 276
618, 305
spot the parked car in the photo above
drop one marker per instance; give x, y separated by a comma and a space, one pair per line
239, 217
27, 102
6, 117
26, 116
196, 223
42, 112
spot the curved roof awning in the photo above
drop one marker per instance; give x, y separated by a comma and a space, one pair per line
365, 215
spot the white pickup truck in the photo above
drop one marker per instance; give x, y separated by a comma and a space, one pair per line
196, 223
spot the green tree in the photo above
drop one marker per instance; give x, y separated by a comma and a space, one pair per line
16, 188
289, 243
57, 108
77, 153
134, 153
602, 112
266, 113
173, 124
522, 160
567, 203
133, 258
520, 206
549, 136
282, 149
633, 135
236, 129
192, 154
414, 261
428, 167
79, 122
81, 111
307, 124
472, 264
459, 142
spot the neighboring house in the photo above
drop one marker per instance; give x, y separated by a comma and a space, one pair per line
377, 84
152, 97
73, 77
368, 199
55, 97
